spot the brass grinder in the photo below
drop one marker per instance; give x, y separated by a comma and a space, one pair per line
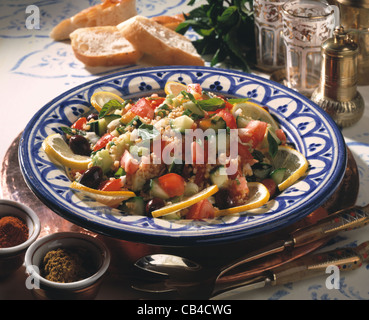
337, 92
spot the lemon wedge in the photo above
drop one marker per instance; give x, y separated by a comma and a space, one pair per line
252, 110
60, 153
175, 88
295, 165
99, 98
206, 193
258, 196
109, 198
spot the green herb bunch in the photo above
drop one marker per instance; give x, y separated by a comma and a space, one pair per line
226, 30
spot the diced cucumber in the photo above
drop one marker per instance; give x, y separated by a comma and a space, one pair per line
103, 159
261, 170
135, 205
110, 117
194, 108
217, 123
172, 216
278, 175
156, 191
139, 151
242, 122
138, 181
135, 122
191, 188
99, 126
181, 123
218, 177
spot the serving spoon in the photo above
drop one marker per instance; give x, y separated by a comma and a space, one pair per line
179, 272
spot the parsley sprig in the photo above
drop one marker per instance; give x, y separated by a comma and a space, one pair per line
226, 30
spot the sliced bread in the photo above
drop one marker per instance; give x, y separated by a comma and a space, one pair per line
164, 45
107, 13
103, 46
171, 22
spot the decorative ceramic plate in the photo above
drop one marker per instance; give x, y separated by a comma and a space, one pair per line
311, 130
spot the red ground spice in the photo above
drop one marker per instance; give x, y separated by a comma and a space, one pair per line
13, 231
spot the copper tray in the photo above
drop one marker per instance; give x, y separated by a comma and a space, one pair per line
124, 253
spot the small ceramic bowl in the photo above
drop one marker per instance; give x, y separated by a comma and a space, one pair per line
84, 289
12, 258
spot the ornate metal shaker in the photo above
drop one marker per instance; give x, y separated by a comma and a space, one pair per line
337, 93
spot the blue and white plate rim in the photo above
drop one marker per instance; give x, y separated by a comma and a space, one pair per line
168, 233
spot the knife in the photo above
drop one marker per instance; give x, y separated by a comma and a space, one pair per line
342, 220
345, 259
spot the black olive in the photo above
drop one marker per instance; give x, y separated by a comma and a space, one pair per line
80, 145
92, 116
223, 199
154, 204
92, 177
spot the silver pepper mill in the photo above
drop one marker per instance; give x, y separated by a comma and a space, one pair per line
337, 92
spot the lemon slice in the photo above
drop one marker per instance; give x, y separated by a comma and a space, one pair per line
60, 153
175, 88
293, 161
206, 193
109, 198
252, 110
258, 196
99, 98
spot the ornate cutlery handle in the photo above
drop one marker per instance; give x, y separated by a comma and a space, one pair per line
344, 220
345, 259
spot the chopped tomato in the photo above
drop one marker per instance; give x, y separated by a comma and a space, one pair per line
228, 118
79, 124
228, 105
200, 174
156, 101
270, 185
239, 188
254, 131
173, 184
201, 210
143, 109
129, 163
245, 154
281, 135
111, 185
103, 141
199, 153
194, 88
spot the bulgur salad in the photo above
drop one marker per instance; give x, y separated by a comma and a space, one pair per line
193, 152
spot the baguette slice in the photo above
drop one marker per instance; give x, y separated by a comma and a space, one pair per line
107, 13
171, 22
164, 45
103, 46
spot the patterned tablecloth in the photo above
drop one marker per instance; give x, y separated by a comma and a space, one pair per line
34, 69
